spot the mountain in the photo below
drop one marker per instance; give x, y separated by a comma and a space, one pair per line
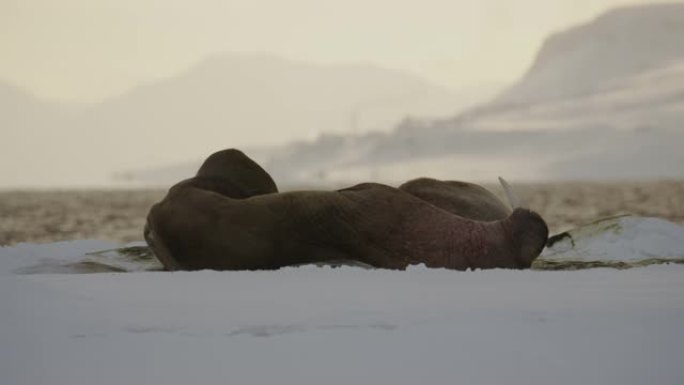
237, 100
602, 101
22, 111
599, 55
224, 101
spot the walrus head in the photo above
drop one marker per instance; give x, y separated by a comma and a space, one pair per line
159, 248
229, 173
233, 174
529, 233
527, 229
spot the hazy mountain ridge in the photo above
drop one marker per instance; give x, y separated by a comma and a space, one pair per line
624, 121
226, 100
22, 110
592, 106
618, 44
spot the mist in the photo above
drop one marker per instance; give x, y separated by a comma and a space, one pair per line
136, 94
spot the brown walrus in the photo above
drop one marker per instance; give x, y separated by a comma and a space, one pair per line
464, 199
230, 216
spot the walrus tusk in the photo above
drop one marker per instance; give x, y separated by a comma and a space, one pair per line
513, 199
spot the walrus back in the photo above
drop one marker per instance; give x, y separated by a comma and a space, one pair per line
464, 199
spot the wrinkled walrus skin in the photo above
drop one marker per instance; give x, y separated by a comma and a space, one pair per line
461, 198
230, 216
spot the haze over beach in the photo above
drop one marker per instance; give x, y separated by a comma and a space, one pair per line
127, 92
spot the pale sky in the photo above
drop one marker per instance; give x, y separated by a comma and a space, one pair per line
86, 50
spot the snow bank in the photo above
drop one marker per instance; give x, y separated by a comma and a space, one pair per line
624, 238
340, 326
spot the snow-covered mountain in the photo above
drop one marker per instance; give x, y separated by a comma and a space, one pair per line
602, 54
603, 100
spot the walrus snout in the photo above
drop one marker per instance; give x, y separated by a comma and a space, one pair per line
529, 232
159, 248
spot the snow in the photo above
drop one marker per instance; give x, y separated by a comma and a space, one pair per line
624, 238
322, 325
70, 257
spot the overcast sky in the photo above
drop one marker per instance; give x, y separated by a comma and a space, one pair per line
85, 50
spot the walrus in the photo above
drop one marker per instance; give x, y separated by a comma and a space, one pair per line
230, 216
464, 199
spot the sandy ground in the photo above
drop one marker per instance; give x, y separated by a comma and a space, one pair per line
48, 216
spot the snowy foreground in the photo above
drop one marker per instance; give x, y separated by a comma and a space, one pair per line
322, 325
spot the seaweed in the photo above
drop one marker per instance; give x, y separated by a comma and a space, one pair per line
546, 264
